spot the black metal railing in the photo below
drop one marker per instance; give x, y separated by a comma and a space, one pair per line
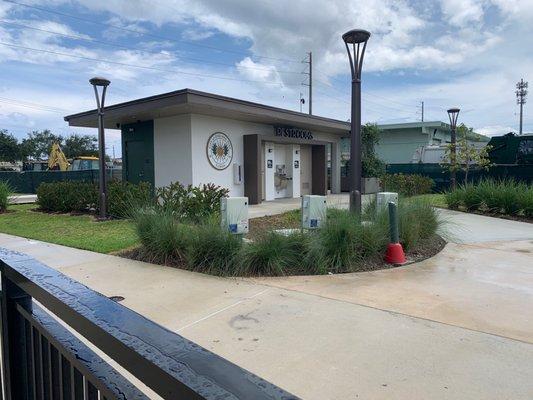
43, 360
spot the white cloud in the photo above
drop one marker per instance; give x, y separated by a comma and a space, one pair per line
461, 12
197, 34
495, 130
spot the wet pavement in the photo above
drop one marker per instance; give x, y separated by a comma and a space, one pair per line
456, 326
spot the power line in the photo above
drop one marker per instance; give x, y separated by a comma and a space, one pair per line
111, 44
176, 71
35, 106
369, 94
148, 34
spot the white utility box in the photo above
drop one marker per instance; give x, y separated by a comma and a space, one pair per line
313, 211
383, 199
234, 214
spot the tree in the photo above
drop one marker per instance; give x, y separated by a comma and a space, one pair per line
38, 144
9, 147
371, 164
80, 145
467, 154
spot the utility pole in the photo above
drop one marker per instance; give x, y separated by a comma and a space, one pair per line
310, 84
521, 94
422, 111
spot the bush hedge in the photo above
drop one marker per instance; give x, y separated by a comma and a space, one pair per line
194, 203
407, 184
343, 244
5, 192
67, 196
506, 197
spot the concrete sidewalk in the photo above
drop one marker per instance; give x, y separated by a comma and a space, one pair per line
456, 326
23, 199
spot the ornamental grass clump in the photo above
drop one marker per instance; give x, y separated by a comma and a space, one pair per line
5, 192
344, 244
504, 196
418, 222
274, 254
163, 238
212, 250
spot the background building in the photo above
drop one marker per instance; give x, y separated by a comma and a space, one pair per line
399, 142
254, 150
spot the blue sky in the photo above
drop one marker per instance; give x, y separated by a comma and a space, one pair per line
465, 53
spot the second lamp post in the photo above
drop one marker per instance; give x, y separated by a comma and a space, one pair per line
453, 114
103, 83
356, 39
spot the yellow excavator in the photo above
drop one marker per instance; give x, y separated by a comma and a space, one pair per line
57, 160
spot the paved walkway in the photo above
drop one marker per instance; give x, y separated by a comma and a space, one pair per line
23, 199
279, 206
456, 326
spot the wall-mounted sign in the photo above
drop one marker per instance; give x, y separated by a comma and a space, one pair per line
296, 133
269, 163
296, 164
219, 150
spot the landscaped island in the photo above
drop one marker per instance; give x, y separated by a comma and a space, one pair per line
180, 226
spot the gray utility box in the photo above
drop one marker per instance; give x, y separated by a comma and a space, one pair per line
234, 214
313, 211
383, 199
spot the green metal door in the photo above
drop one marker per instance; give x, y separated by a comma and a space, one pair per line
134, 169
138, 152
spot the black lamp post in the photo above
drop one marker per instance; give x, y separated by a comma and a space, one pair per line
453, 114
103, 83
357, 38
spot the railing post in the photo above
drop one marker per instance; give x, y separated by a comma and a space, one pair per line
15, 342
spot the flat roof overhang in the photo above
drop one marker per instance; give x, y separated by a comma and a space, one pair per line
188, 101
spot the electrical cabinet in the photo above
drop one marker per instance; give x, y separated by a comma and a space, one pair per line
234, 214
313, 211
383, 199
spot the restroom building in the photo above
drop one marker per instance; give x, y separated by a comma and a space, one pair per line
254, 150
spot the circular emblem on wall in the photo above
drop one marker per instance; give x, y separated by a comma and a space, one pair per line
219, 150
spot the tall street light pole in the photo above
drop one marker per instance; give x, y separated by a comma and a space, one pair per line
103, 83
356, 39
453, 114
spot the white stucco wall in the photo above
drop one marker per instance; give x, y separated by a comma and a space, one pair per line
204, 126
180, 150
172, 150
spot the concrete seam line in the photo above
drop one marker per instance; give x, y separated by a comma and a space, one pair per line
223, 309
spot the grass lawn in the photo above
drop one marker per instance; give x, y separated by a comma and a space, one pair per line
435, 199
79, 231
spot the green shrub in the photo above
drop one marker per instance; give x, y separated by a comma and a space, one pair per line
163, 238
195, 203
67, 196
418, 221
273, 254
344, 244
525, 200
213, 250
407, 185
5, 192
123, 198
77, 196
504, 196
471, 197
